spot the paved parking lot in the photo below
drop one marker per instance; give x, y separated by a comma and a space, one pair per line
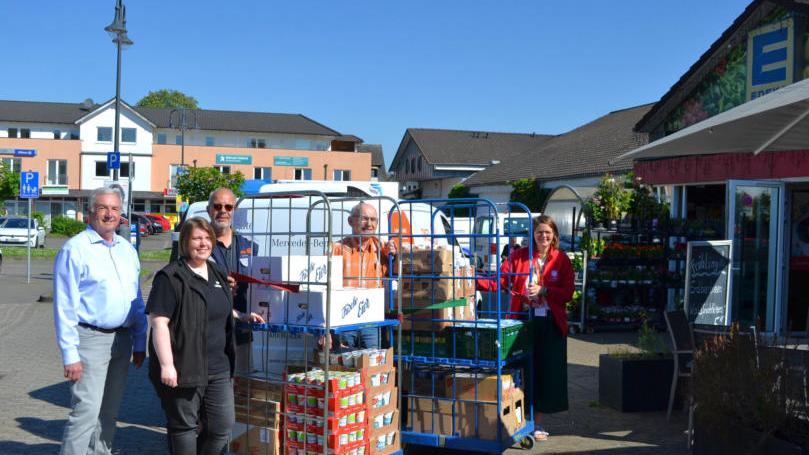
35, 396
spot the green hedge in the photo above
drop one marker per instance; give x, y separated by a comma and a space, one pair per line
66, 226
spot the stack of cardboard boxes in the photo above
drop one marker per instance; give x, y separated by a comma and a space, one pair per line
465, 405
308, 307
377, 369
435, 285
258, 416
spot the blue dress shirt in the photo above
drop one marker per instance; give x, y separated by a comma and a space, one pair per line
98, 284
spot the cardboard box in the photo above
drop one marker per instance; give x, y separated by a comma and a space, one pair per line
439, 289
255, 440
274, 354
258, 389
348, 306
420, 261
270, 303
419, 315
462, 386
298, 269
427, 415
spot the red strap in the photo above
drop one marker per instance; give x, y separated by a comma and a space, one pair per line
241, 278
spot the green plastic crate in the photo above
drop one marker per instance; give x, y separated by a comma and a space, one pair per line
424, 343
516, 339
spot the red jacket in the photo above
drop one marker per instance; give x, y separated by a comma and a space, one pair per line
557, 277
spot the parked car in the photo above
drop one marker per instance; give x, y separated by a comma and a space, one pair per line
157, 226
14, 231
164, 222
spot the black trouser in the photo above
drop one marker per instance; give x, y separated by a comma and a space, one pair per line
184, 406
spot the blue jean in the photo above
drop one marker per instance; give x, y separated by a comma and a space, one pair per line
367, 338
96, 396
187, 408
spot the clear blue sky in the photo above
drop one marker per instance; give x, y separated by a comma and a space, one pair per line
370, 68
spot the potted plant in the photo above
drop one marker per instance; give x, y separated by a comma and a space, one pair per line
637, 380
750, 397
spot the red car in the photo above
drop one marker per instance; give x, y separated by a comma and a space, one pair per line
160, 219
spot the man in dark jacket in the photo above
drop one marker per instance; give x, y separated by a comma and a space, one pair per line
232, 252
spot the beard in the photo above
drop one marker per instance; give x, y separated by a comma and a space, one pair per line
220, 226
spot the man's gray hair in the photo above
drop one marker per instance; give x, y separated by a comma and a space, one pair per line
221, 188
102, 191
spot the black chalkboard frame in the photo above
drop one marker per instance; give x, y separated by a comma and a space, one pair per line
727, 251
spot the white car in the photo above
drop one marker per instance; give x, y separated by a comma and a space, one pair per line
14, 231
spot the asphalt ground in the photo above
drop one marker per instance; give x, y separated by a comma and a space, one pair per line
34, 397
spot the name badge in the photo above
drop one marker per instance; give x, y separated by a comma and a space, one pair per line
541, 312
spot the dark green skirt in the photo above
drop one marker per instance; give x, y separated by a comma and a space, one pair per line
550, 367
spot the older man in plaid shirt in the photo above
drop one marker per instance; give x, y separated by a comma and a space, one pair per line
365, 262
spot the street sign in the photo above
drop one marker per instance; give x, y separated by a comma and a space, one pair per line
25, 153
29, 185
113, 160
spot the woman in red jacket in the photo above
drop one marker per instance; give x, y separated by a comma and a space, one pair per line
550, 287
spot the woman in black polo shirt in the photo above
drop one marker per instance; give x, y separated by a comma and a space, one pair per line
192, 349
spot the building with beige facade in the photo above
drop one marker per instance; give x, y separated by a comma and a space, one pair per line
72, 141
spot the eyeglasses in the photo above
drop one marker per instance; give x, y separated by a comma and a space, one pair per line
227, 207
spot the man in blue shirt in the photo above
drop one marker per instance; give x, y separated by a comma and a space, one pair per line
99, 317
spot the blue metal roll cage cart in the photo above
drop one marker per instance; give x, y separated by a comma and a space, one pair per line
439, 358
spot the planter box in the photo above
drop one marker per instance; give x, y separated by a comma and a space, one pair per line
631, 385
732, 438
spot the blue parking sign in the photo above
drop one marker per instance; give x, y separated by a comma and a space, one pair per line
29, 185
113, 160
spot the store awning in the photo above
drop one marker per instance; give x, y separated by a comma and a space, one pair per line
778, 121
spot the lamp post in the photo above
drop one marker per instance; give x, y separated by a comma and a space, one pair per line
182, 123
117, 31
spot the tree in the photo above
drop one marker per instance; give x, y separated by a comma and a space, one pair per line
460, 191
168, 98
197, 184
529, 193
9, 183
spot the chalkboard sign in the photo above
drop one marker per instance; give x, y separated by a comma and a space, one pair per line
707, 282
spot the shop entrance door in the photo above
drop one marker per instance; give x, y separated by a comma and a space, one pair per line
755, 224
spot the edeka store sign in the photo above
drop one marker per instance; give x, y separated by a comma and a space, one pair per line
233, 159
770, 58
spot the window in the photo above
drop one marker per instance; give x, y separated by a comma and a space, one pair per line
57, 134
262, 173
25, 133
342, 175
124, 172
129, 135
104, 134
407, 166
223, 169
161, 138
413, 165
138, 205
375, 172
74, 135
12, 132
178, 139
173, 175
12, 164
257, 143
303, 174
419, 163
101, 169
209, 141
57, 172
